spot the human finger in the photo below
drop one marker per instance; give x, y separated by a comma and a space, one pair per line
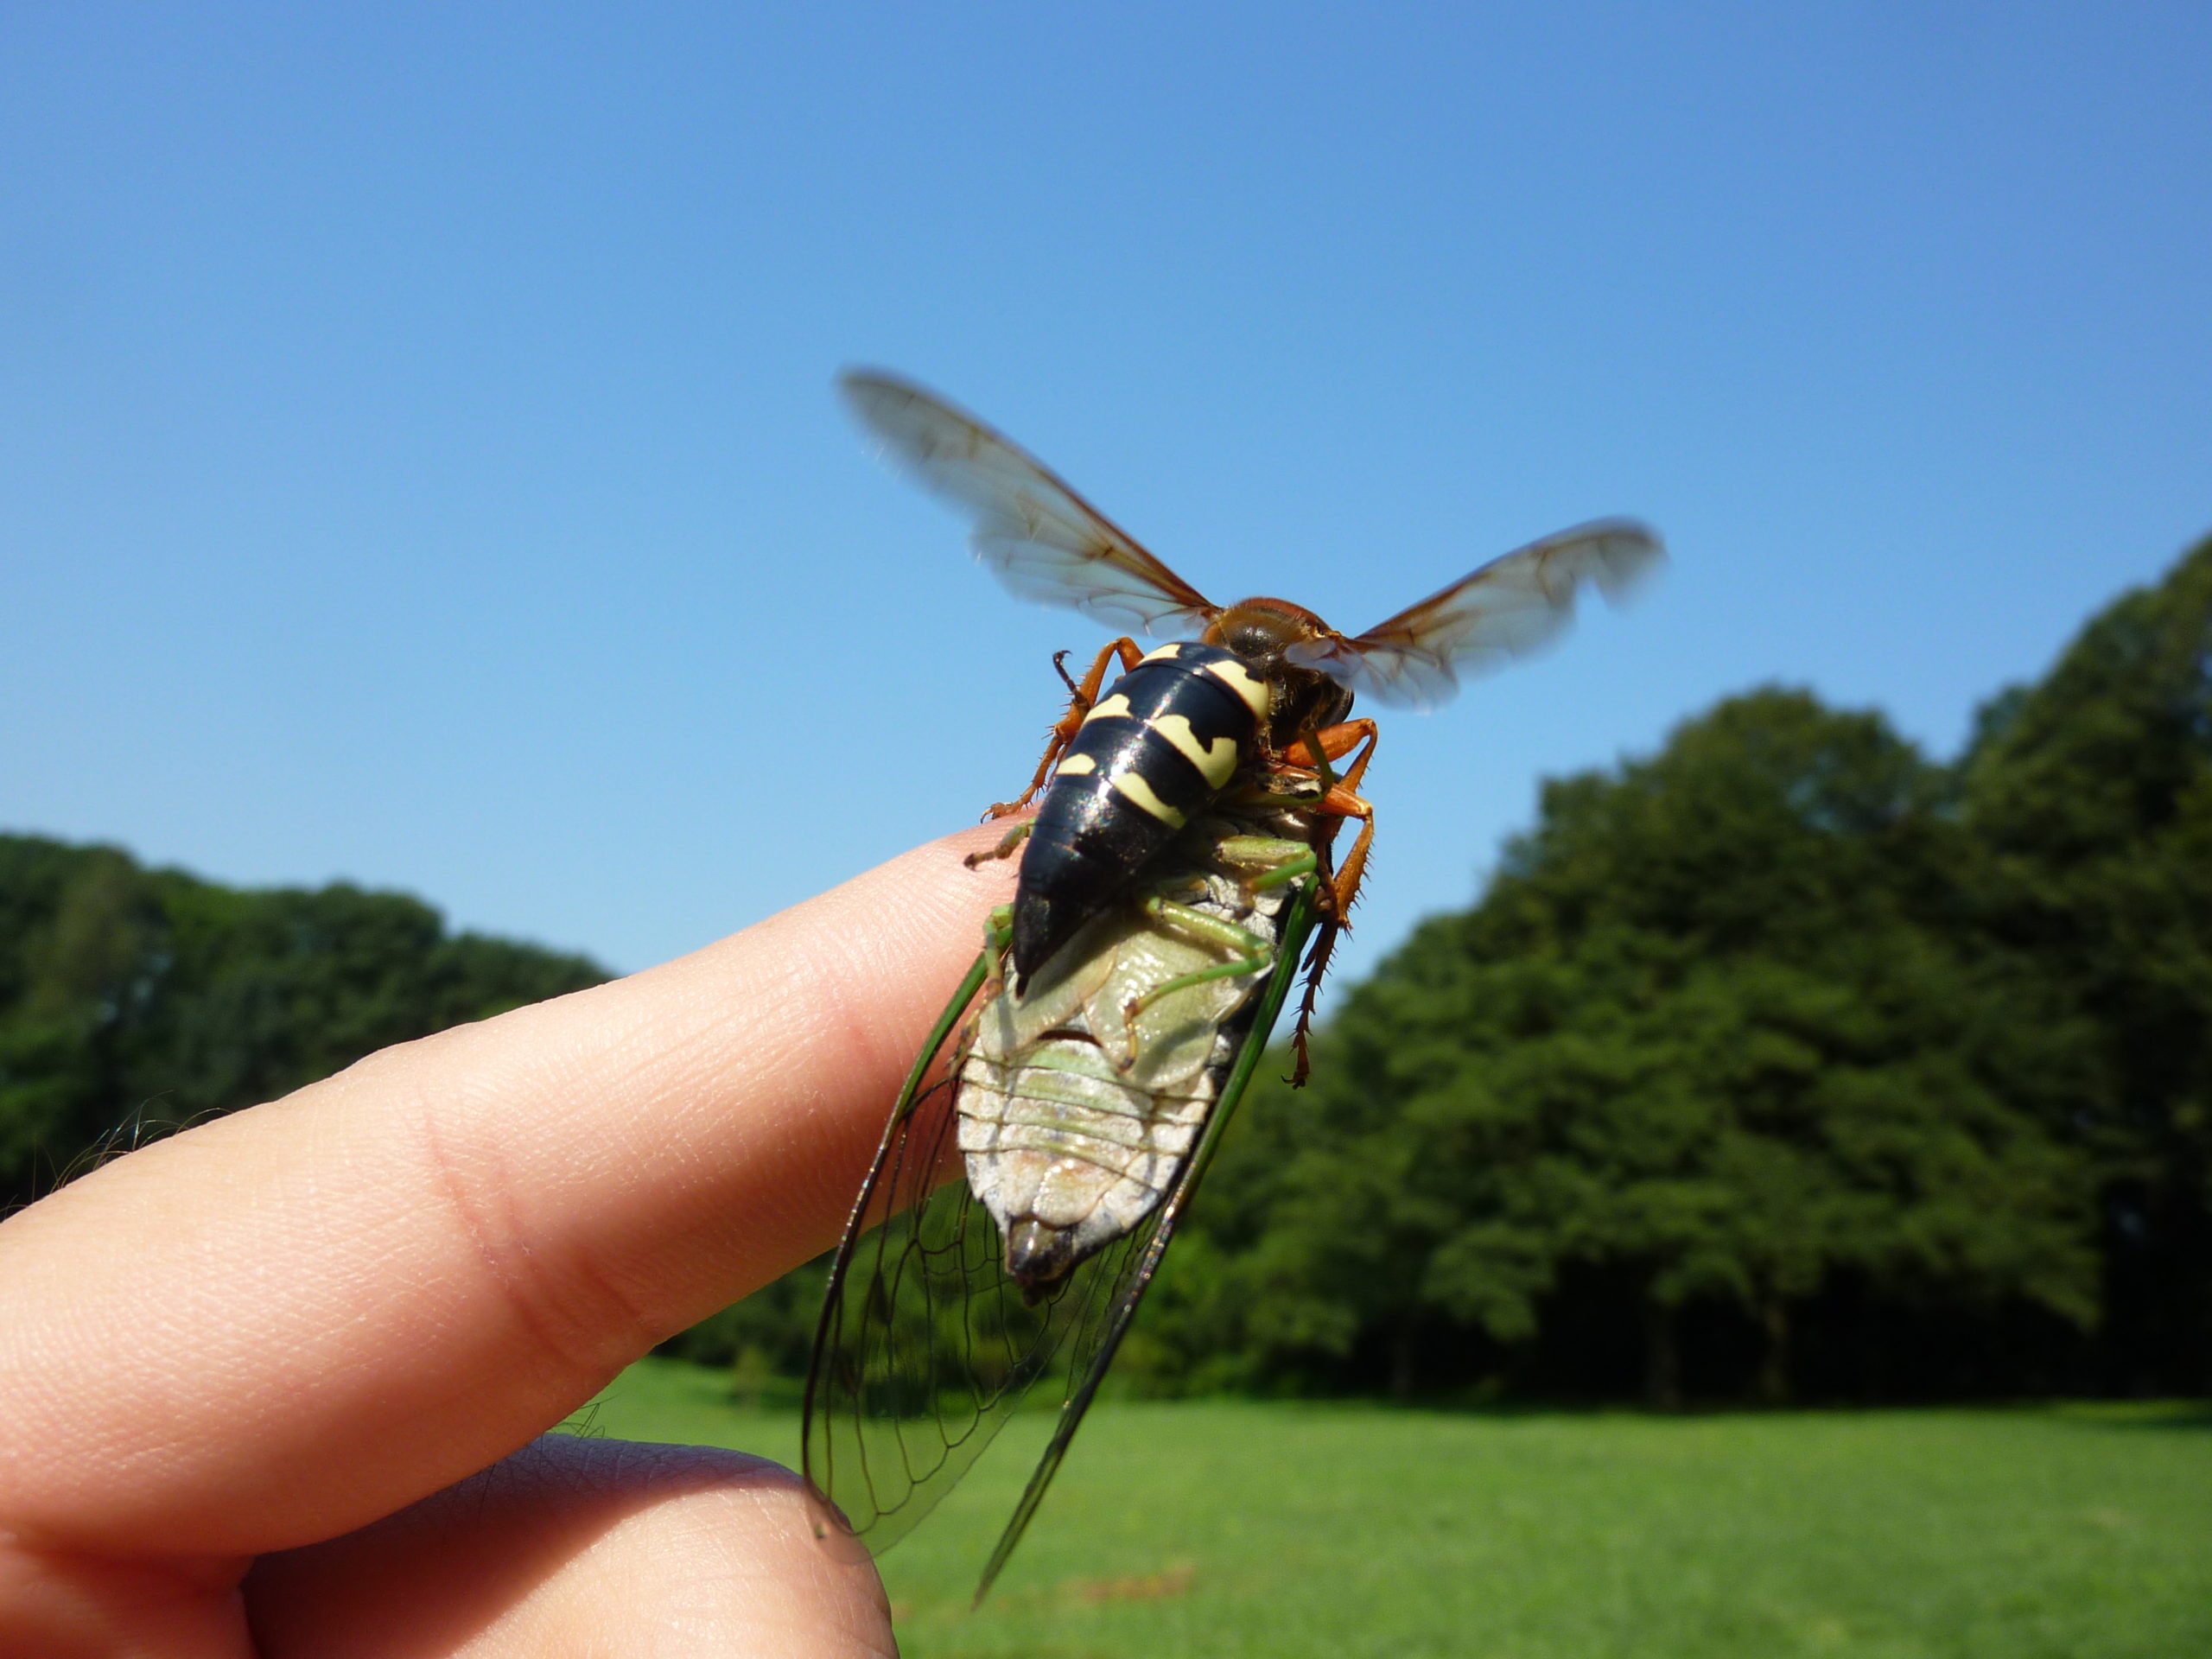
574, 1545
280, 1325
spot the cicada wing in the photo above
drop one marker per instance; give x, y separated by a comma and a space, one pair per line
925, 1346
1042, 540
1096, 1340
1511, 607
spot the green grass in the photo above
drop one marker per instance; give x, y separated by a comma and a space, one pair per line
1226, 1528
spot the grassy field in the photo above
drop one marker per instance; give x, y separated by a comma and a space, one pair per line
1223, 1528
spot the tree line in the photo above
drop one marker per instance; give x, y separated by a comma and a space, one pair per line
134, 1001
1782, 1063
1787, 1063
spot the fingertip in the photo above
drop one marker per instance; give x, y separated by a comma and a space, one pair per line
581, 1545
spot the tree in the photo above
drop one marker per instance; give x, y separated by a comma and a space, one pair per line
2092, 791
130, 997
1712, 1032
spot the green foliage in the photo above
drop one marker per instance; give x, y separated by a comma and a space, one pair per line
132, 998
1869, 1073
2093, 793
1713, 1031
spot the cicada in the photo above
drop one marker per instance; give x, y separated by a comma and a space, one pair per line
1178, 874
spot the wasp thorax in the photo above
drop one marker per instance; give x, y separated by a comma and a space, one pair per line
1301, 700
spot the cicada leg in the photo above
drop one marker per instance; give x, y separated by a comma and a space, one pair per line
1008, 845
1081, 699
1273, 862
1252, 953
998, 939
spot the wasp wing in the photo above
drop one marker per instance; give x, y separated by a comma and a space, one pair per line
1044, 541
1513, 606
1094, 1352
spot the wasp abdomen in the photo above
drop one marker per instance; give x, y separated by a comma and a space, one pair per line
1154, 751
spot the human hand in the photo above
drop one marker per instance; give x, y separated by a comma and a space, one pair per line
276, 1386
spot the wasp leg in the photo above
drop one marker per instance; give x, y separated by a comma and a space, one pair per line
1317, 963
1336, 893
1340, 800
1340, 741
1080, 700
1333, 743
1008, 845
1342, 803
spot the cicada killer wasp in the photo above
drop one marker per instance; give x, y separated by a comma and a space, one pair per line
1179, 867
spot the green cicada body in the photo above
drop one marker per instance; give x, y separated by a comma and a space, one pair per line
1076, 1115
1082, 1096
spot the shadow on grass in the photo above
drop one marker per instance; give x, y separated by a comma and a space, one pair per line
2197, 1417
2167, 1415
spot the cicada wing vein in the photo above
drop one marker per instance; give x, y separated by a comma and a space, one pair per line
925, 1345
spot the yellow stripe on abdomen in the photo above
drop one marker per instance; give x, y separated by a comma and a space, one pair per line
1215, 762
1241, 680
1133, 789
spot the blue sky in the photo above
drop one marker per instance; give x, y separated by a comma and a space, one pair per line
418, 462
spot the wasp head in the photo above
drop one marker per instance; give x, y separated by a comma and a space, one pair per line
1301, 700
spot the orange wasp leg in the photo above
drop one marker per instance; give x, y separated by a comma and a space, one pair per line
1338, 741
1341, 801
1080, 700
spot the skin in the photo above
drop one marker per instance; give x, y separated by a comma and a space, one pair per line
279, 1385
